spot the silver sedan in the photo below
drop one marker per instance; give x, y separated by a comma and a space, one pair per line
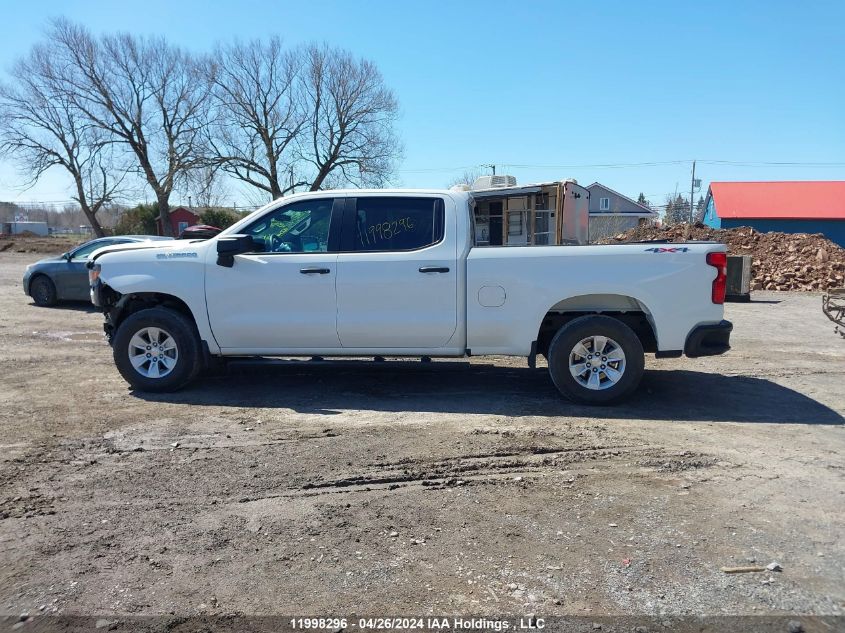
65, 278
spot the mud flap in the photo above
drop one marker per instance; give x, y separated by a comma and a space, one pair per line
532, 356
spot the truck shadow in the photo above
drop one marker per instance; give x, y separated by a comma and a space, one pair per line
326, 388
76, 306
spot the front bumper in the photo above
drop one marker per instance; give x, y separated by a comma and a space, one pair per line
103, 296
27, 277
97, 293
709, 340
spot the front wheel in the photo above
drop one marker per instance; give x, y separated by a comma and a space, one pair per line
596, 360
43, 291
157, 350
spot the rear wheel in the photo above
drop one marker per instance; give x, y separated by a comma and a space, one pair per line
157, 350
596, 360
43, 291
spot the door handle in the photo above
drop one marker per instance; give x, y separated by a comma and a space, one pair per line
314, 271
434, 269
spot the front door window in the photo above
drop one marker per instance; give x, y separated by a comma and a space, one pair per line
300, 227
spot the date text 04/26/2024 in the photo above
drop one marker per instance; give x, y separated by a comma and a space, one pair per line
417, 624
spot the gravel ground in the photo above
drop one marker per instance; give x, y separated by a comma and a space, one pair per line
323, 488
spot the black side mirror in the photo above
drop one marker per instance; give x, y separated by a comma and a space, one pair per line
231, 245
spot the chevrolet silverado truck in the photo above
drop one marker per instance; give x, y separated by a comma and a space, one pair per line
373, 273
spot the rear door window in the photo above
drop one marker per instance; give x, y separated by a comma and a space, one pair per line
395, 224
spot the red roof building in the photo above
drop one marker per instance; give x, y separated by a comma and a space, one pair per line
787, 206
180, 219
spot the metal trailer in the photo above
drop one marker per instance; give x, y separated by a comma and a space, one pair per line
833, 305
17, 228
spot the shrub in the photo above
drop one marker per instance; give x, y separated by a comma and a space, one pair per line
140, 220
221, 218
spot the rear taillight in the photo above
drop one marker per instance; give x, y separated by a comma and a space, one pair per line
720, 262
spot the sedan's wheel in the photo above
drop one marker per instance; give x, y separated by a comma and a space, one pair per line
43, 291
596, 360
157, 350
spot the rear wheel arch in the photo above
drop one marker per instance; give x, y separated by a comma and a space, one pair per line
629, 310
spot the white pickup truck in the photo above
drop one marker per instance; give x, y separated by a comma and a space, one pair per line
398, 273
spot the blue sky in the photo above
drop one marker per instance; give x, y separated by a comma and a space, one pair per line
545, 90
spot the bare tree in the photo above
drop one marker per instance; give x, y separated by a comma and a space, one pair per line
144, 93
206, 187
351, 116
605, 226
258, 114
307, 118
467, 178
41, 127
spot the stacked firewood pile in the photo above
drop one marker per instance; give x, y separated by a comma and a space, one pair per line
780, 261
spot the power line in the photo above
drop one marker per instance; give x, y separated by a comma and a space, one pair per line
526, 166
769, 163
427, 170
731, 163
682, 162
600, 165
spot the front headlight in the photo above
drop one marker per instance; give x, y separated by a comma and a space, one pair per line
93, 274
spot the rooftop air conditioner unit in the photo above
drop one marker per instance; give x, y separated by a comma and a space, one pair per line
493, 182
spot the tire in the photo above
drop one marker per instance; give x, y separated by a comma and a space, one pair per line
43, 291
617, 375
178, 360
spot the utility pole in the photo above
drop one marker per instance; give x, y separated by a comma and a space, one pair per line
691, 192
493, 167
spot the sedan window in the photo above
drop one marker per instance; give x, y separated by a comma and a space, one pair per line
84, 251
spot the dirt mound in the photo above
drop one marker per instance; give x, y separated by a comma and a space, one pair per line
780, 261
28, 244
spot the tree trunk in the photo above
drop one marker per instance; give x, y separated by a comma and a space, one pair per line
321, 176
93, 221
90, 214
164, 215
275, 189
